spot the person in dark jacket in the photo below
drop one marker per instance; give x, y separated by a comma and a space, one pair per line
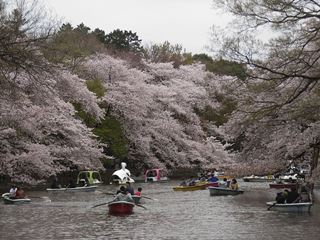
293, 196
130, 188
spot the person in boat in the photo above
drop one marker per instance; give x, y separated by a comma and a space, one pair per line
123, 195
71, 184
234, 184
84, 182
13, 191
138, 193
293, 196
213, 178
192, 182
55, 183
202, 178
130, 188
20, 193
291, 180
152, 173
281, 197
277, 179
224, 183
183, 183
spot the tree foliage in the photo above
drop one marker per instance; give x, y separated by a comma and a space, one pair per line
39, 134
123, 40
156, 108
279, 101
70, 46
221, 66
165, 52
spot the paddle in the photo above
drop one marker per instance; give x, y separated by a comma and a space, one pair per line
139, 205
271, 206
46, 199
109, 193
102, 204
37, 197
67, 187
154, 199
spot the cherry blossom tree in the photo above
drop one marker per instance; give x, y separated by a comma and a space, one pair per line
278, 114
156, 106
40, 135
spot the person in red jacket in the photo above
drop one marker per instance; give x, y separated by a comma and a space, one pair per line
138, 193
20, 193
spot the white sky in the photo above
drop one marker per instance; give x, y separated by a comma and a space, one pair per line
185, 22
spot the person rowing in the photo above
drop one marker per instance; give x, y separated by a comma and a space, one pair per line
123, 195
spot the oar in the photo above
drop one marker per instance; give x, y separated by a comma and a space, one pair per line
36, 197
271, 206
67, 187
154, 199
102, 204
139, 205
109, 193
46, 199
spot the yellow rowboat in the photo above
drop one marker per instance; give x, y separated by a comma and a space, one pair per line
199, 186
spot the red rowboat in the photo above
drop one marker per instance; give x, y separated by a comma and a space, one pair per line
282, 185
121, 207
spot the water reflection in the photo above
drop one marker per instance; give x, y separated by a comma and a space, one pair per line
175, 215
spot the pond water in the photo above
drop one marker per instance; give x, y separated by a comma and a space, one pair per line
172, 216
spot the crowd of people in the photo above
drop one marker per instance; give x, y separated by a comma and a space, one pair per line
224, 183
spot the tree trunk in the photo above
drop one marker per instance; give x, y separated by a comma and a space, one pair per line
315, 158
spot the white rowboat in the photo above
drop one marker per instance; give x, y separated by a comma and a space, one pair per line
7, 200
76, 189
290, 207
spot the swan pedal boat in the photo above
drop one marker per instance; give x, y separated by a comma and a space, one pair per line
220, 191
290, 207
75, 189
7, 200
121, 207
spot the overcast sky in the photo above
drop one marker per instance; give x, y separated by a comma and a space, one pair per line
185, 22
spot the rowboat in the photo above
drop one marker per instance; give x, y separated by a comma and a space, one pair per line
219, 191
282, 185
198, 186
136, 199
121, 207
254, 178
7, 200
75, 189
290, 207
